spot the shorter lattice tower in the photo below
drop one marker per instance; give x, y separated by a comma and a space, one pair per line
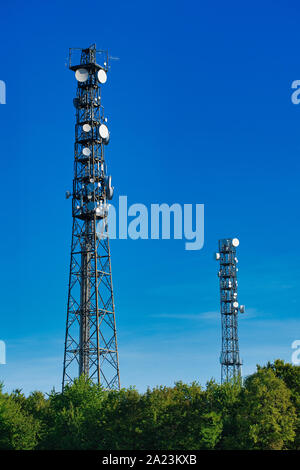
231, 363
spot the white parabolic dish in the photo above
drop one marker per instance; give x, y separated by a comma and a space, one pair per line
86, 151
103, 131
102, 77
235, 242
86, 127
81, 75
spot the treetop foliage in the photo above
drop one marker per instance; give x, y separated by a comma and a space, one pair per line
261, 413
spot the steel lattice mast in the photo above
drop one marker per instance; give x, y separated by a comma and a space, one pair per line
231, 363
91, 339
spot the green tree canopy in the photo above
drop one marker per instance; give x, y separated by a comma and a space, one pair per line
262, 413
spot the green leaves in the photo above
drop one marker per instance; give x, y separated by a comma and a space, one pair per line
264, 413
18, 430
266, 417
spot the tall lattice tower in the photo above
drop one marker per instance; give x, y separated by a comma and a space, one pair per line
231, 363
91, 339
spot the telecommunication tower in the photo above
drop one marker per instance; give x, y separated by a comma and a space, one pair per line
231, 363
91, 338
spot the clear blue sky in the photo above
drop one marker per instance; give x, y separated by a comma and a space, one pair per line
199, 112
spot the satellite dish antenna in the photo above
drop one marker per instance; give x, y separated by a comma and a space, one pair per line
86, 152
235, 304
81, 75
86, 127
102, 77
235, 242
103, 131
104, 134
